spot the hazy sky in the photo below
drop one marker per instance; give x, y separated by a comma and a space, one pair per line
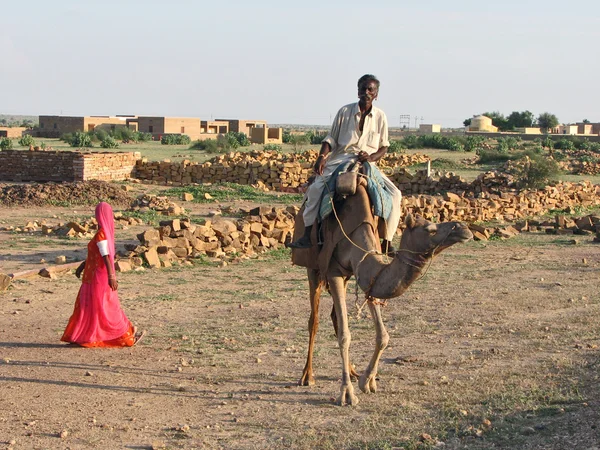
298, 62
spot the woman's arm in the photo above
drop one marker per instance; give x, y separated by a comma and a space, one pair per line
80, 269
112, 277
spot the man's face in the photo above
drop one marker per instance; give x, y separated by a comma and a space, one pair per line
368, 90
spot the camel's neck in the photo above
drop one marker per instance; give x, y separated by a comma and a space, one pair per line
383, 279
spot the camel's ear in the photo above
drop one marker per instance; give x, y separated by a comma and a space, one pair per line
410, 221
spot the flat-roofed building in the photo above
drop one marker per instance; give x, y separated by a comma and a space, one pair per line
157, 126
56, 126
244, 126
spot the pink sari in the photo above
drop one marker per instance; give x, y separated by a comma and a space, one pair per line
98, 320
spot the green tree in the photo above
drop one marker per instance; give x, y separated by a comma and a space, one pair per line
467, 122
522, 119
546, 121
586, 121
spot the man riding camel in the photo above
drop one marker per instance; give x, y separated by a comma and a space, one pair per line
359, 132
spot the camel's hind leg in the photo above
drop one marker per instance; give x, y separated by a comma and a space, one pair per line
353, 374
367, 382
315, 286
337, 287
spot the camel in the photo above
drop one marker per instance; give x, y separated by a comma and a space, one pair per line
354, 249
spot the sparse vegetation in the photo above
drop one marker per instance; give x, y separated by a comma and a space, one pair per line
6, 143
175, 139
26, 140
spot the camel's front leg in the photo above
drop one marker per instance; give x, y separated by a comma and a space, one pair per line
367, 382
337, 287
353, 373
315, 287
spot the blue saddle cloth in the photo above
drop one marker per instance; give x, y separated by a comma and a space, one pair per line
379, 194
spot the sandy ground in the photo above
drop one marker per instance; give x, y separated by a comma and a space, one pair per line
505, 332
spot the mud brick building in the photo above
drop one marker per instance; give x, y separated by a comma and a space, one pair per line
12, 132
157, 126
56, 126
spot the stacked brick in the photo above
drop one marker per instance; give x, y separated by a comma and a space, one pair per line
420, 183
508, 206
270, 170
265, 228
23, 165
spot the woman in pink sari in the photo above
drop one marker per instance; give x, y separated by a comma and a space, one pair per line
98, 320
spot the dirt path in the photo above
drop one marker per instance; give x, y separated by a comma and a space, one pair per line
506, 332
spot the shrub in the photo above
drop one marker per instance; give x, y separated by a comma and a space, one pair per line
109, 142
564, 144
175, 139
141, 136
100, 134
548, 142
80, 139
208, 145
26, 140
411, 141
508, 144
241, 138
491, 156
396, 146
595, 147
472, 143
273, 147
285, 137
298, 141
536, 171
6, 143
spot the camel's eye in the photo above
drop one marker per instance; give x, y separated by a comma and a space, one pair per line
431, 229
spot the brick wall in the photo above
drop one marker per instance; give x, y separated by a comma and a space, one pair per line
23, 165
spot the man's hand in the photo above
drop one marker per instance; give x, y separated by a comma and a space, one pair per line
364, 157
320, 165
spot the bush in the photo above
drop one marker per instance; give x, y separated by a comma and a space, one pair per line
411, 141
472, 143
548, 142
272, 147
491, 156
564, 144
6, 143
100, 134
175, 139
26, 140
109, 142
78, 139
208, 145
396, 146
298, 141
536, 171
508, 144
240, 137
285, 136
141, 136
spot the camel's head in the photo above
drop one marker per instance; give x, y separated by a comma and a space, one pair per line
428, 238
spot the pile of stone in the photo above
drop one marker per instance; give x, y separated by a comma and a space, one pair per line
162, 204
507, 206
73, 229
175, 241
562, 225
437, 182
268, 169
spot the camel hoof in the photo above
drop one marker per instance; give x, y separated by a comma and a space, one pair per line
367, 384
306, 381
347, 397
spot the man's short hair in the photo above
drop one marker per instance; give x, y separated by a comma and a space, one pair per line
366, 78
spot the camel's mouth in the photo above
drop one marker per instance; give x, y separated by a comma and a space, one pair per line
460, 233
